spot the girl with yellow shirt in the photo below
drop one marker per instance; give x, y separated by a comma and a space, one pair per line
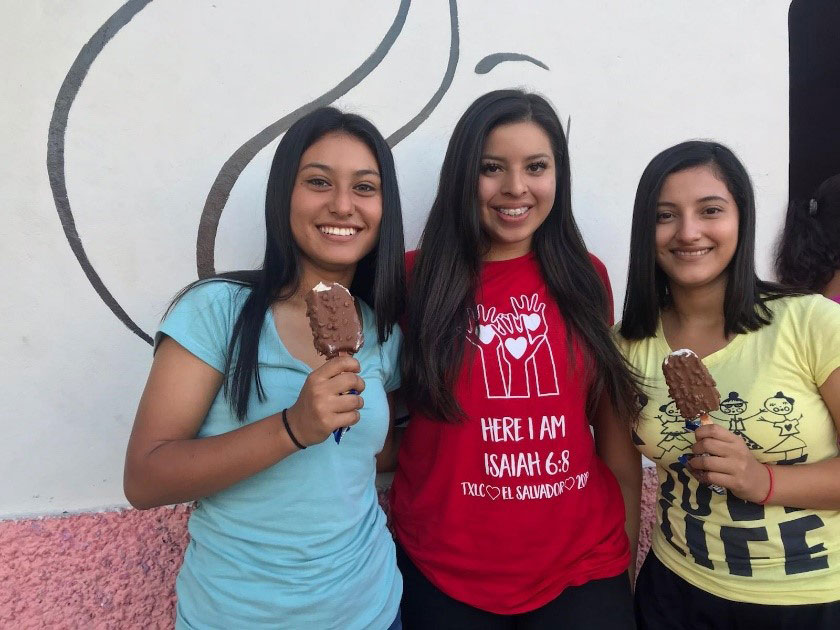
766, 553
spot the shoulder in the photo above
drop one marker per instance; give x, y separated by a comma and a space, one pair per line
601, 270
801, 308
202, 319
600, 267
214, 301
213, 297
623, 344
217, 292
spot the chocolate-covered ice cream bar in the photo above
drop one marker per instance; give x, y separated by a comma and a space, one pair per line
690, 385
693, 390
332, 316
335, 325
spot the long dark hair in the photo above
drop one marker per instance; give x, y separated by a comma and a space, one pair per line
808, 253
441, 302
380, 276
744, 305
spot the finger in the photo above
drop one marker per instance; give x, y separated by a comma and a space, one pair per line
711, 463
714, 431
714, 446
344, 383
718, 479
347, 403
336, 366
347, 418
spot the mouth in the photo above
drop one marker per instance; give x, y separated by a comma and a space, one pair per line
512, 214
691, 253
339, 232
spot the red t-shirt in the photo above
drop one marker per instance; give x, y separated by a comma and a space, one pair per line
507, 509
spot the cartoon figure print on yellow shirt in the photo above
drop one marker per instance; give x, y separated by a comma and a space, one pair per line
769, 382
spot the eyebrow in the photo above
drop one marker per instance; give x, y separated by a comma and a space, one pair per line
701, 200
360, 173
536, 156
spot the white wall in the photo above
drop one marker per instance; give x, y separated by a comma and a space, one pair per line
184, 84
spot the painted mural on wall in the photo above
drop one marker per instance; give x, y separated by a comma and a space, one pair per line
231, 166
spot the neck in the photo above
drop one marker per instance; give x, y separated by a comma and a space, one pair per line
505, 252
833, 286
699, 305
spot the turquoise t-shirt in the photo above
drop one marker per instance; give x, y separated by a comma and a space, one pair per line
302, 544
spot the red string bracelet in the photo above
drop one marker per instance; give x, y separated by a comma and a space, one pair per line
770, 490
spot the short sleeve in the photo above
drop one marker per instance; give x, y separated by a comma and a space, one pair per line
202, 320
390, 356
605, 280
823, 338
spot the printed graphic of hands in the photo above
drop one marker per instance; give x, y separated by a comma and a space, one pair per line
531, 314
485, 332
520, 332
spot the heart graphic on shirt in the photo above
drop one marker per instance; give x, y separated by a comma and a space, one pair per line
569, 483
532, 321
788, 426
516, 347
485, 334
492, 491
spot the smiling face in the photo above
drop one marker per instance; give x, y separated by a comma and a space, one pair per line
696, 228
516, 187
779, 405
336, 205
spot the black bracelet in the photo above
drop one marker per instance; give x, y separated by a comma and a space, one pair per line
289, 431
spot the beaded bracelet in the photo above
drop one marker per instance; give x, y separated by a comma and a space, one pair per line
292, 435
770, 490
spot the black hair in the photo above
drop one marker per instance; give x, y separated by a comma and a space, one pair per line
808, 251
441, 302
744, 307
379, 279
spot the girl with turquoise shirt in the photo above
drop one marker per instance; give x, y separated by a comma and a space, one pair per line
239, 408
766, 553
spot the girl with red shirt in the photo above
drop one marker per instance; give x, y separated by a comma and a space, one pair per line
506, 507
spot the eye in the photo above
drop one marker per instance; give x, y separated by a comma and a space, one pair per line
712, 210
317, 182
365, 188
537, 167
490, 167
663, 216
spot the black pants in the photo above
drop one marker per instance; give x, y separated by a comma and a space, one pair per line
597, 605
664, 601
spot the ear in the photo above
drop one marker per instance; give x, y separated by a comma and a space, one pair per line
663, 407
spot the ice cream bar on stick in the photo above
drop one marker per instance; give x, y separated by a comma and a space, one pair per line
336, 328
692, 389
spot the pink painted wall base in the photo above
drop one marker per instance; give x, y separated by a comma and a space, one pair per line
116, 570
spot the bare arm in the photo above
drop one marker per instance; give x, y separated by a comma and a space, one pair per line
731, 465
165, 462
614, 445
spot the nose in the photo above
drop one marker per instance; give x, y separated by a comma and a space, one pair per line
689, 229
342, 203
514, 184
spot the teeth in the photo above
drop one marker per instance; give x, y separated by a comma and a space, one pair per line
513, 212
337, 231
699, 252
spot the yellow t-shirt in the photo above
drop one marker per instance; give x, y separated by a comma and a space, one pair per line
768, 382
